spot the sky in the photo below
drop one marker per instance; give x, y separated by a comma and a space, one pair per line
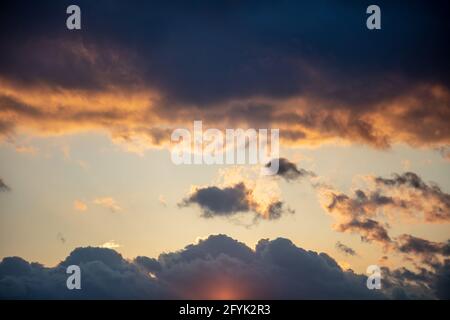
86, 175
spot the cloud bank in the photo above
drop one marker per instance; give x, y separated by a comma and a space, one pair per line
218, 267
215, 268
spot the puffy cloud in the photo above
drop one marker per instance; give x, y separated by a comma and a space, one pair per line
215, 268
109, 203
345, 249
3, 186
289, 170
228, 201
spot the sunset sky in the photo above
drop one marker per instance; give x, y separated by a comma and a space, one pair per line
86, 118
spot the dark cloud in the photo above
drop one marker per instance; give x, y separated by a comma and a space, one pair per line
217, 201
228, 201
428, 251
289, 170
345, 249
261, 62
218, 267
104, 273
369, 230
431, 283
3, 186
222, 50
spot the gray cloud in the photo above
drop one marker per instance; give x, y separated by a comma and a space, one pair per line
229, 201
289, 170
403, 195
428, 251
345, 249
218, 267
415, 194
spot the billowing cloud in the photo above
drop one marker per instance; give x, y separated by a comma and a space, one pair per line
215, 268
289, 170
249, 65
3, 186
345, 249
228, 201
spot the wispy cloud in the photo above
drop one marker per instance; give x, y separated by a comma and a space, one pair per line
109, 203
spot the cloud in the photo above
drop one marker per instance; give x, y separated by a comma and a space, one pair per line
289, 170
345, 249
404, 196
403, 283
218, 267
109, 203
427, 251
3, 186
110, 245
79, 205
228, 201
411, 193
239, 69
